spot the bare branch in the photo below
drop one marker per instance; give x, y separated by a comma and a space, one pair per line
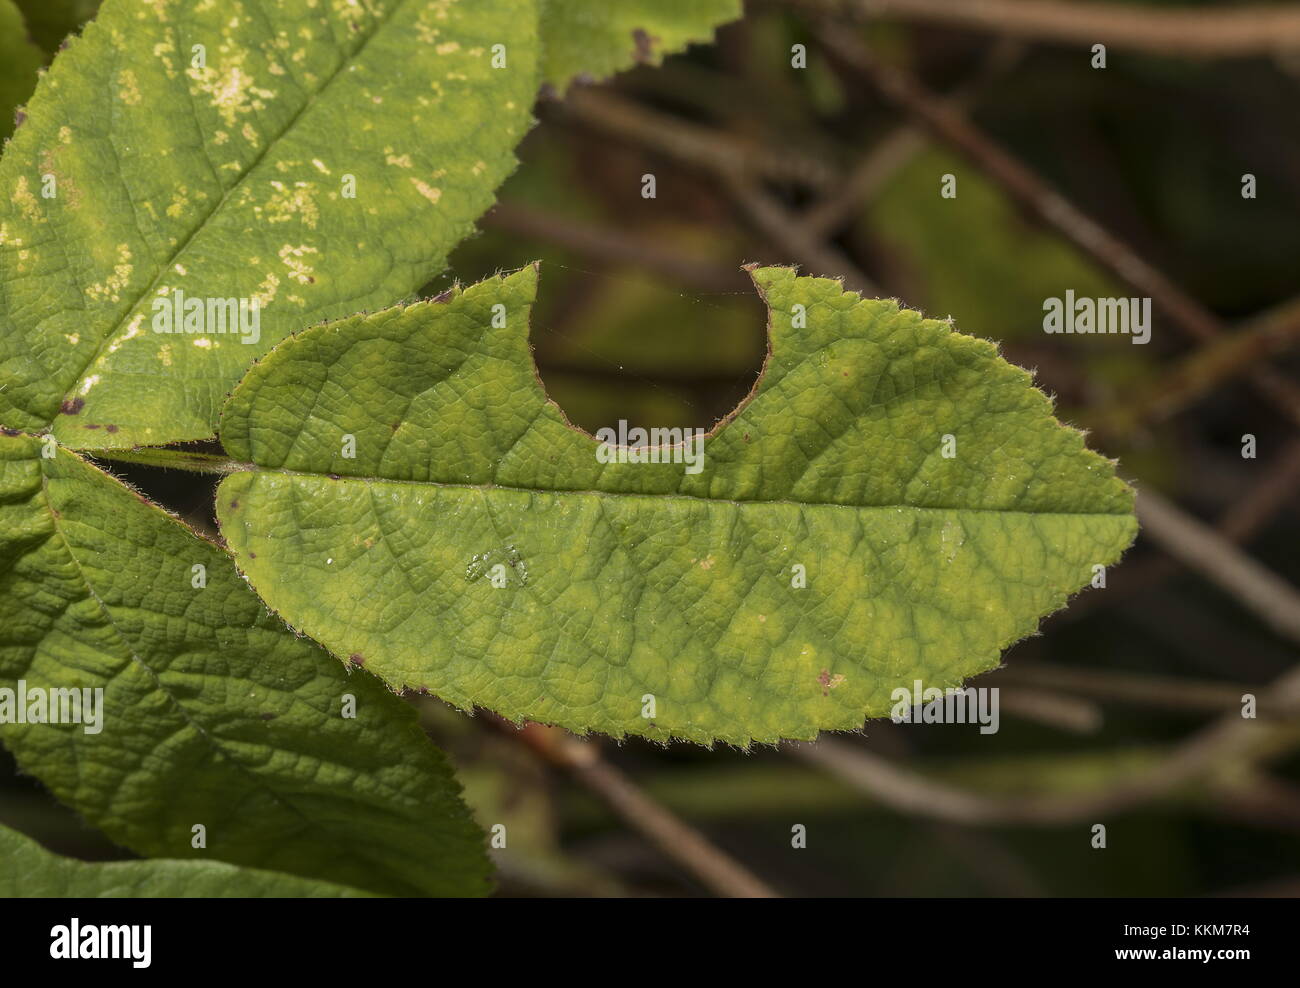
702, 147
1201, 548
1222, 747
1245, 519
826, 217
612, 246
1025, 187
1272, 492
783, 227
1201, 31
1207, 367
1053, 709
678, 840
1169, 692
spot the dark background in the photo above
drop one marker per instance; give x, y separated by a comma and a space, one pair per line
645, 315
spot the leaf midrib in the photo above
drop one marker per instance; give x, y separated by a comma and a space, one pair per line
255, 469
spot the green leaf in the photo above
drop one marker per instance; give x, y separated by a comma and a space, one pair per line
19, 61
228, 181
28, 871
212, 713
630, 579
599, 39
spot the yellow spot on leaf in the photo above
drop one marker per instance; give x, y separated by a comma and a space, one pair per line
128, 87
110, 288
430, 193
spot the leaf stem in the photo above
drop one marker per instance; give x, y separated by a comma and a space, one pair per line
174, 459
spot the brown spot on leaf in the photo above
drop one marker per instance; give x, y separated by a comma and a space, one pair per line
234, 504
10, 432
110, 428
268, 716
645, 45
828, 681
357, 659
71, 406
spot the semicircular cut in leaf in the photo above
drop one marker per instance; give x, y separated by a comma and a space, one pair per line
211, 713
28, 871
892, 503
241, 169
581, 38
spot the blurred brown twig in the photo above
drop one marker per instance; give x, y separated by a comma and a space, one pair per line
1019, 182
681, 842
1201, 31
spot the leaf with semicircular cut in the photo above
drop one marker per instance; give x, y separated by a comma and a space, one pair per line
212, 714
892, 503
312, 158
28, 871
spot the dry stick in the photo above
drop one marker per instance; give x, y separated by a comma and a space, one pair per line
1229, 739
828, 216
806, 236
1225, 357
613, 246
1270, 494
782, 226
703, 147
1053, 709
1201, 31
1201, 548
1166, 692
678, 840
736, 164
1240, 523
1207, 367
1026, 188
